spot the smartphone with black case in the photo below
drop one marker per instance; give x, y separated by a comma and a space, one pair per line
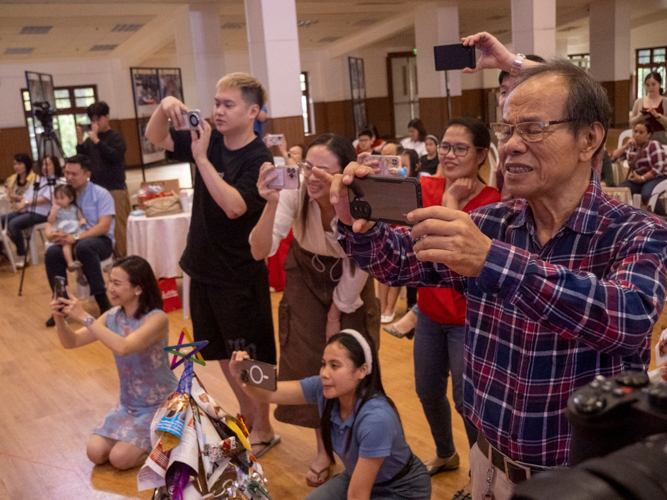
85, 127
60, 287
387, 199
454, 56
259, 374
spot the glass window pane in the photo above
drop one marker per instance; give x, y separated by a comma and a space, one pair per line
63, 103
659, 58
26, 105
644, 60
645, 52
84, 92
84, 102
67, 134
82, 119
61, 94
658, 52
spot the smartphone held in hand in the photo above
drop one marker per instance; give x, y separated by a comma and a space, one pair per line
60, 287
288, 177
192, 119
386, 165
274, 139
454, 56
388, 199
259, 374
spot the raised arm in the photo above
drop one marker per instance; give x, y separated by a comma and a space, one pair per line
168, 112
494, 54
287, 393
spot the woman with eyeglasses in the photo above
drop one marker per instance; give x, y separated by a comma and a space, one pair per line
439, 334
324, 292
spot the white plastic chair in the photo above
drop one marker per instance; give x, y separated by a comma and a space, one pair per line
37, 228
493, 162
626, 134
659, 189
4, 210
83, 292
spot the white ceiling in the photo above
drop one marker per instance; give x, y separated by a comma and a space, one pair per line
79, 25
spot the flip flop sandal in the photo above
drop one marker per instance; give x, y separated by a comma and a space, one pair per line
314, 484
266, 446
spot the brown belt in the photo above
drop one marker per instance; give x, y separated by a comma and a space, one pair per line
515, 472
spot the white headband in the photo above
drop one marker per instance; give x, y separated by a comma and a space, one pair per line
365, 346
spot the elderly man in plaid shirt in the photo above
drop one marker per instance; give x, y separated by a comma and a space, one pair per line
563, 283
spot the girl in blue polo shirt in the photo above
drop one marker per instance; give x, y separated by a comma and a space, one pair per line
359, 423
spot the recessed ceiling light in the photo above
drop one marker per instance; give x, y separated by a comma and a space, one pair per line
12, 51
99, 48
233, 26
35, 30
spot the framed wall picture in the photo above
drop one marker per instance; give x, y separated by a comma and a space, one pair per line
171, 84
358, 91
146, 90
149, 152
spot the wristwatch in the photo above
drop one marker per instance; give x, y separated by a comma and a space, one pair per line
88, 321
76, 237
516, 66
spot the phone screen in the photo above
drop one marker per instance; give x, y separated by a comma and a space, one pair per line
454, 56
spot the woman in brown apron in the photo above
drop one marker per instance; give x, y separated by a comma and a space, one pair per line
324, 292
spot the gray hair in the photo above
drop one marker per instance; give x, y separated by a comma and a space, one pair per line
586, 102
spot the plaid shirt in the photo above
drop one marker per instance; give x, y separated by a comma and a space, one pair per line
652, 158
542, 320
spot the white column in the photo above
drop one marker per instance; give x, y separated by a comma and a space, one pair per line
610, 40
436, 23
273, 43
534, 27
199, 55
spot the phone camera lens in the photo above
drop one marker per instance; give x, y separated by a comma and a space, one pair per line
194, 120
244, 376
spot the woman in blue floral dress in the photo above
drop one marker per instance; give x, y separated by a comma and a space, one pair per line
136, 330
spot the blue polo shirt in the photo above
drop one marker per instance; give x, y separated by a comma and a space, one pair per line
96, 202
377, 432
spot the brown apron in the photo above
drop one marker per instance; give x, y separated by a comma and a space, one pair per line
310, 281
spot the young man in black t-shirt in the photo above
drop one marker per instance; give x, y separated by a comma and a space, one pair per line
231, 305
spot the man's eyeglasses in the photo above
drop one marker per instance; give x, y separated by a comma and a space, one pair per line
307, 168
459, 149
528, 131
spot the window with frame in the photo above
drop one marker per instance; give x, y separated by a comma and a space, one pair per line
581, 60
71, 104
649, 60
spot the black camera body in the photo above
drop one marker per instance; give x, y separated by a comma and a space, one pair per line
610, 413
618, 446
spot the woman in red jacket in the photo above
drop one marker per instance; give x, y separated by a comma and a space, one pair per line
440, 328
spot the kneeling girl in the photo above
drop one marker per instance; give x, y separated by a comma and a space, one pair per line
359, 423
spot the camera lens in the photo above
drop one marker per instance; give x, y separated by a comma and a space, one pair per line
244, 376
194, 120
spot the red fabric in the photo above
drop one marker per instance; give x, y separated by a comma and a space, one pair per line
275, 264
445, 305
376, 143
170, 298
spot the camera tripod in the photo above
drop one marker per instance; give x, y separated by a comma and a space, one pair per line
47, 141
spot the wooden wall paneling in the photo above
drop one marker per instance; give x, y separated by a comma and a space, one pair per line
473, 103
290, 126
320, 110
619, 96
378, 112
12, 141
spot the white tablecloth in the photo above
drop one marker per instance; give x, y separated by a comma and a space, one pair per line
159, 240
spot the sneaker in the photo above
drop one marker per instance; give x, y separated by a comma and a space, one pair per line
75, 265
452, 463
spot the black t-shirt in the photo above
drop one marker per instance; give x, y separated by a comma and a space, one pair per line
107, 158
218, 251
428, 166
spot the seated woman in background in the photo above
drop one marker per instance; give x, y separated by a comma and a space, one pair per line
429, 161
647, 160
359, 422
416, 136
324, 292
652, 108
25, 215
136, 330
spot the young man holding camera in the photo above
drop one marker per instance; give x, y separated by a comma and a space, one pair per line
106, 150
231, 304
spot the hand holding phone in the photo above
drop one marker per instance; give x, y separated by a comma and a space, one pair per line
274, 139
288, 177
388, 199
192, 120
259, 374
86, 127
60, 289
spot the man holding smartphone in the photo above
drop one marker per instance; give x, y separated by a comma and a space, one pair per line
231, 304
563, 283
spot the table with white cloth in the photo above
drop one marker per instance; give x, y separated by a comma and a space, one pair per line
160, 240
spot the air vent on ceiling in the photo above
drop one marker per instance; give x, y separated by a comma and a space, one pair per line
497, 17
233, 26
306, 24
35, 30
365, 22
500, 32
328, 39
127, 28
13, 51
567, 28
99, 48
